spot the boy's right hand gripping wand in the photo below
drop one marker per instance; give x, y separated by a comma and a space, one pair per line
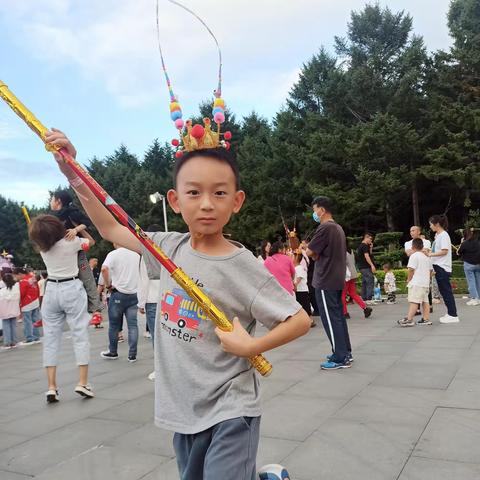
211, 310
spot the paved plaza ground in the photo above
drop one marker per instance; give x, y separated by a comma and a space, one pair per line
408, 409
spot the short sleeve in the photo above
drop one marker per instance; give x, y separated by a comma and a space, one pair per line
413, 262
273, 304
300, 272
407, 246
318, 244
444, 243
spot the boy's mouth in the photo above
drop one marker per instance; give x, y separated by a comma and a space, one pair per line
206, 219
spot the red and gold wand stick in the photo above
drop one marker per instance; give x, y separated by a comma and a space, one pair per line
199, 297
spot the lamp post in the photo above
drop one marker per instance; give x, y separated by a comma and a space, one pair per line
156, 197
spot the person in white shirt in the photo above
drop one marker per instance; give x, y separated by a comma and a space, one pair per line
65, 299
120, 273
300, 283
441, 256
416, 232
419, 274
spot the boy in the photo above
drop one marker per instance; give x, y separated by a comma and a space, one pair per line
419, 274
209, 397
389, 284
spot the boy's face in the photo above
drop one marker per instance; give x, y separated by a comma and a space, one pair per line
205, 195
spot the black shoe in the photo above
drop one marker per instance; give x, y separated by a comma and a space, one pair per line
424, 322
132, 358
431, 309
347, 315
109, 355
367, 311
52, 396
418, 312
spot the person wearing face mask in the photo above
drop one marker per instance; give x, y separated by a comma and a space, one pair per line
328, 249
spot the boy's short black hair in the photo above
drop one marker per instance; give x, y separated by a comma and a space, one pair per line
417, 244
220, 154
324, 202
64, 197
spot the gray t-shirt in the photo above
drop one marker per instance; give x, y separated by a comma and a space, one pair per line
197, 384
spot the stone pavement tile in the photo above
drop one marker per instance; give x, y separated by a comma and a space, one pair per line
294, 370
452, 434
384, 347
274, 450
437, 356
148, 439
369, 363
446, 342
139, 410
34, 456
347, 449
414, 374
166, 471
57, 415
104, 463
127, 390
341, 384
8, 380
8, 440
418, 468
292, 417
403, 334
11, 395
119, 371
463, 328
378, 396
271, 387
13, 476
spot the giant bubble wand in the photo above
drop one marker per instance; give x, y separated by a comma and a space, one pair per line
195, 292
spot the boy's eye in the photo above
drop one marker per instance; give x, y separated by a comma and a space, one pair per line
193, 192
220, 193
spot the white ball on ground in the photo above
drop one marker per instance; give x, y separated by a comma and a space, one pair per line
273, 472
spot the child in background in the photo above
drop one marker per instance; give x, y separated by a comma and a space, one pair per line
65, 299
29, 305
419, 274
300, 282
76, 222
389, 284
9, 309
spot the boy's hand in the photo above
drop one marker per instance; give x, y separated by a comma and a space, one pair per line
58, 138
237, 342
71, 234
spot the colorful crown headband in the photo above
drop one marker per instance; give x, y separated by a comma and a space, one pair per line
196, 137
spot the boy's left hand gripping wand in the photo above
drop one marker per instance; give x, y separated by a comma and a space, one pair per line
211, 310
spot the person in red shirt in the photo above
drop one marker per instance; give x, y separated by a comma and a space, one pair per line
29, 305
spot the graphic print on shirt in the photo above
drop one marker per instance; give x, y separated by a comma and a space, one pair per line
180, 316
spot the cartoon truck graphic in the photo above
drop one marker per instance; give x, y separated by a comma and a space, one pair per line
179, 308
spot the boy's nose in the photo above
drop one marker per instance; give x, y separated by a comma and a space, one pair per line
206, 204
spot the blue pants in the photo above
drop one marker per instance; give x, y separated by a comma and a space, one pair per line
151, 313
472, 274
9, 326
226, 451
368, 282
121, 304
445, 287
29, 318
330, 307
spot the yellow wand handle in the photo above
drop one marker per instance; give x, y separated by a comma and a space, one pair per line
259, 362
25, 214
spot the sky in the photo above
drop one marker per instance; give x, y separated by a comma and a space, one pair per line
92, 69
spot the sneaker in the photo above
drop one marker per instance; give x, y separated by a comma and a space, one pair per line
99, 326
367, 311
35, 342
52, 396
132, 358
25, 344
152, 376
147, 334
405, 322
350, 357
347, 316
334, 365
96, 319
370, 302
38, 324
84, 391
449, 319
418, 312
108, 355
473, 302
424, 322
391, 302
313, 323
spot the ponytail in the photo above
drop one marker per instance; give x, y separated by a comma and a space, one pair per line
441, 220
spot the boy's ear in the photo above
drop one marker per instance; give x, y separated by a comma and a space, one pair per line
239, 199
172, 198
